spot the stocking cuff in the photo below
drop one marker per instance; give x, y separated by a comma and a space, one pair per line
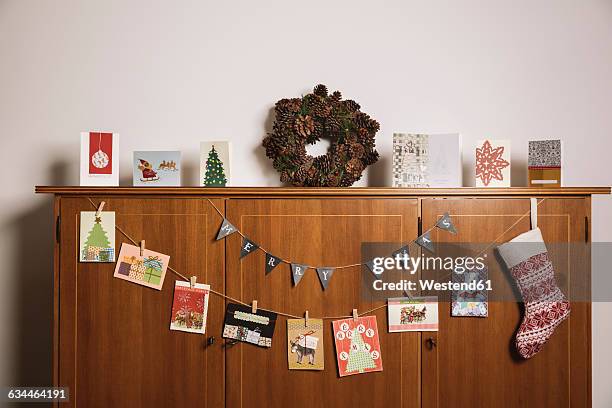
522, 247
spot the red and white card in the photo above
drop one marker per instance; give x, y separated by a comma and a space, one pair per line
357, 346
99, 159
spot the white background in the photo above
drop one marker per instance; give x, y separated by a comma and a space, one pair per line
166, 75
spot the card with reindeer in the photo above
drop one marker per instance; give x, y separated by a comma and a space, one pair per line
190, 307
305, 344
413, 313
157, 169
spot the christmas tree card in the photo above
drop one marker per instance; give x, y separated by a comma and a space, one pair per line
99, 159
243, 325
357, 346
215, 164
157, 168
305, 344
189, 307
147, 269
413, 314
97, 236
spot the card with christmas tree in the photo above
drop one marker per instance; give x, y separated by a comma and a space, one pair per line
357, 345
190, 307
97, 236
214, 164
145, 267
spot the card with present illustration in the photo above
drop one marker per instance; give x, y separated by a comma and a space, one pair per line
305, 344
243, 325
190, 307
147, 268
157, 168
99, 159
97, 236
357, 345
419, 313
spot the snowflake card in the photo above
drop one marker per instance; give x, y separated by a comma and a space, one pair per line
157, 168
99, 159
413, 314
215, 164
357, 346
305, 344
471, 302
493, 163
243, 325
148, 269
97, 236
190, 307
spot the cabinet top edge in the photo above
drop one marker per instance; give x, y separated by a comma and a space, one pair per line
322, 191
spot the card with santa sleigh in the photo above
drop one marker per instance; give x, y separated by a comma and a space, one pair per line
157, 168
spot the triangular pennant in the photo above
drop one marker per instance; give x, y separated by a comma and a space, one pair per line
271, 262
370, 265
446, 223
226, 229
247, 247
325, 275
425, 241
297, 271
403, 252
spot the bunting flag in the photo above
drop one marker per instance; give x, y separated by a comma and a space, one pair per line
271, 262
226, 229
446, 223
425, 241
247, 247
370, 265
297, 271
325, 275
403, 252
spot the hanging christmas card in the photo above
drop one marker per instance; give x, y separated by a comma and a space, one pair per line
214, 164
413, 314
147, 269
190, 307
470, 302
243, 325
493, 163
97, 236
357, 346
157, 168
99, 159
305, 344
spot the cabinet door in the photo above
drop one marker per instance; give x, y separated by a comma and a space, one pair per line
115, 345
475, 363
316, 232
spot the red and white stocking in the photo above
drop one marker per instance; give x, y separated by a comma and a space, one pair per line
545, 305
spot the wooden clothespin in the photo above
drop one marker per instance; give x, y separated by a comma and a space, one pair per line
355, 315
306, 318
254, 307
142, 247
192, 281
100, 207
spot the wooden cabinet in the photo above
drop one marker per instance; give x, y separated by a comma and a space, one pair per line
113, 346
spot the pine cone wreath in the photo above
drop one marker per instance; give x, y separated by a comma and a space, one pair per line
301, 121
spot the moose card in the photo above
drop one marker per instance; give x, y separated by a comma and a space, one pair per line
243, 325
99, 159
97, 236
357, 346
305, 344
157, 168
413, 314
190, 307
148, 269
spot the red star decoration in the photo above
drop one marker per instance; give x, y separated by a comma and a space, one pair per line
489, 163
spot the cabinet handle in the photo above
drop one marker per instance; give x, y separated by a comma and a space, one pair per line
431, 343
211, 341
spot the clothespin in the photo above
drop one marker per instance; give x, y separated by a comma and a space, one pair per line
254, 307
100, 207
192, 281
355, 315
306, 318
142, 247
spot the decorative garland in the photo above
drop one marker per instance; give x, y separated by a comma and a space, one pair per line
316, 116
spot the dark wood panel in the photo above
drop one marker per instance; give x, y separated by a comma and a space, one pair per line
474, 363
116, 348
317, 232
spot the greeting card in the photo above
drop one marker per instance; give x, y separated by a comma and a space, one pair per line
214, 164
190, 307
471, 302
99, 159
305, 344
544, 163
493, 163
147, 269
357, 345
413, 314
243, 325
97, 236
157, 168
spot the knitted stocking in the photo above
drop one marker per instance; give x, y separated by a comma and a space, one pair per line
545, 305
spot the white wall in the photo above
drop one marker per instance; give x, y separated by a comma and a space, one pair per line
169, 74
